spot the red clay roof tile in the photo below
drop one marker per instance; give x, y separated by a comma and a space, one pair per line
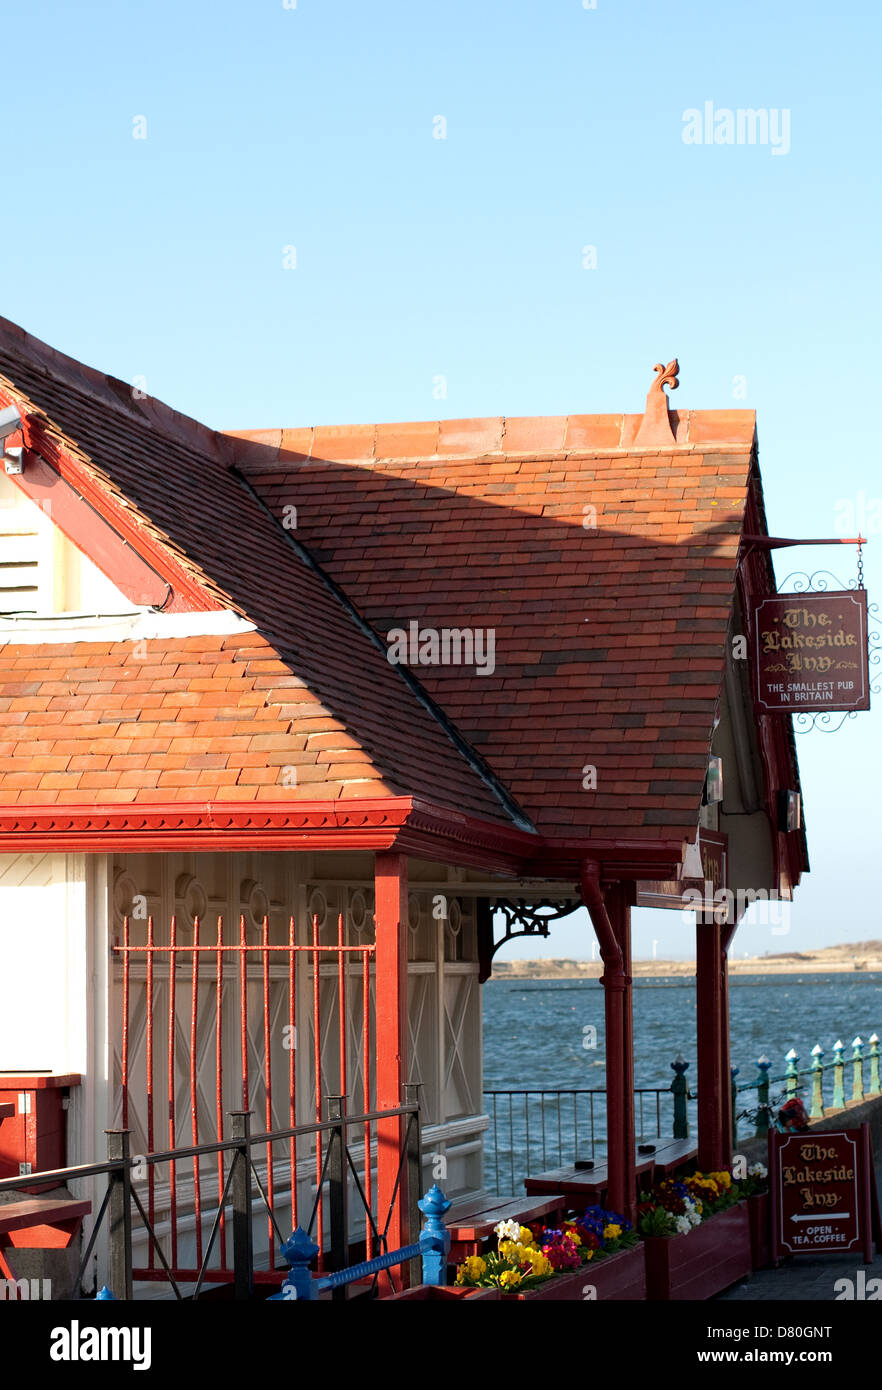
606, 573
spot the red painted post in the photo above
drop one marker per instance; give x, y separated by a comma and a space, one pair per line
390, 882
620, 913
726, 936
712, 1084
617, 1012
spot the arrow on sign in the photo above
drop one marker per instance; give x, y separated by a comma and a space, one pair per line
828, 1216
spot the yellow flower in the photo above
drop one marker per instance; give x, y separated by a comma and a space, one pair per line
612, 1232
526, 1236
471, 1270
510, 1278
526, 1253
574, 1237
541, 1265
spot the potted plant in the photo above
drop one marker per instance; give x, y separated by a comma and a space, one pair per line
696, 1236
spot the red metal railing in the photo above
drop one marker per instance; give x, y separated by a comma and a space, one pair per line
252, 963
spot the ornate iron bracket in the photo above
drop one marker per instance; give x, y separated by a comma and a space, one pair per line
520, 919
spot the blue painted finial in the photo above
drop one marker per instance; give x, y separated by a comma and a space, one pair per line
299, 1250
104, 1293
434, 1237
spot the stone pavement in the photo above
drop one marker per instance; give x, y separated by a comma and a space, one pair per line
809, 1278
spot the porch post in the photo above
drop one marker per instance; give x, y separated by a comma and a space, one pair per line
713, 1082
390, 913
620, 915
725, 1050
610, 916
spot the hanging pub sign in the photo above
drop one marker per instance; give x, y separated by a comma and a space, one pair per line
810, 652
823, 1192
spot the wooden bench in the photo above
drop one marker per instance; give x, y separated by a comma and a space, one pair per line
671, 1154
472, 1223
582, 1187
41, 1223
586, 1186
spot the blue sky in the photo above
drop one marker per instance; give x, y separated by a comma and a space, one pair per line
313, 127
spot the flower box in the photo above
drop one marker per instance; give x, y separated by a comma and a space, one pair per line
620, 1276
704, 1261
429, 1292
758, 1218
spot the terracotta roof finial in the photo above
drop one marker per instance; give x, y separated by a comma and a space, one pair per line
655, 427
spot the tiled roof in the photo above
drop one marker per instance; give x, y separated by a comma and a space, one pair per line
207, 717
604, 570
607, 574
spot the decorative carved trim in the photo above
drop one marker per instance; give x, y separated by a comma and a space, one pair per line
520, 919
254, 903
190, 891
401, 823
655, 427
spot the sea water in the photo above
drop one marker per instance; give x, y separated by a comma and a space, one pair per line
550, 1034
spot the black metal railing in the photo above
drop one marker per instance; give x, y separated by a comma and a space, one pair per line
237, 1201
532, 1129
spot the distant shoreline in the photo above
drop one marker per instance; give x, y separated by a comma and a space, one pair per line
859, 958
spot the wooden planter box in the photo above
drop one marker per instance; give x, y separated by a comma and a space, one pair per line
429, 1292
758, 1219
621, 1276
703, 1263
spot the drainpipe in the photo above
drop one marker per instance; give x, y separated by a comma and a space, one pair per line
619, 1094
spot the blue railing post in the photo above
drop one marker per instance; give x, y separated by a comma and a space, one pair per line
857, 1076
762, 1095
434, 1237
838, 1076
817, 1110
791, 1072
735, 1071
298, 1283
874, 1065
680, 1088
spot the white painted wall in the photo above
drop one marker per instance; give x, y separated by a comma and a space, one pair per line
66, 580
42, 979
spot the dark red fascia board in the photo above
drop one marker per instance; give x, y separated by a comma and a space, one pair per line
407, 824
99, 526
